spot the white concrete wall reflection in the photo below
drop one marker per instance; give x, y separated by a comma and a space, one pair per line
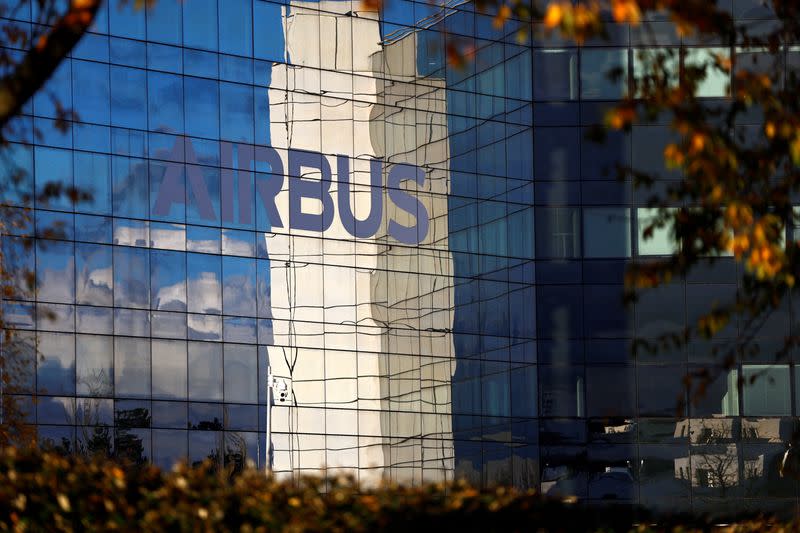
362, 326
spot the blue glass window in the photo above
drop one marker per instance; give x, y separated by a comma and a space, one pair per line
205, 371
766, 390
606, 232
127, 20
558, 232
93, 274
168, 280
201, 101
131, 277
128, 97
555, 74
19, 259
55, 271
165, 94
94, 363
236, 27
200, 24
91, 91
604, 73
54, 177
524, 391
57, 91
204, 283
132, 367
164, 22
239, 286
269, 43
93, 176
19, 175
169, 369
56, 363
169, 445
241, 373
130, 192
236, 112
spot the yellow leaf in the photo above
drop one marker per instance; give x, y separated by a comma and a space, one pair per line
626, 11
502, 15
63, 502
554, 15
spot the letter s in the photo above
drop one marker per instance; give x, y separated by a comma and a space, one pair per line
403, 200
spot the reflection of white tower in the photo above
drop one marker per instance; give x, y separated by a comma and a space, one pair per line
413, 287
364, 338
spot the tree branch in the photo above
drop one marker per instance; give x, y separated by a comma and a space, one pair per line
43, 58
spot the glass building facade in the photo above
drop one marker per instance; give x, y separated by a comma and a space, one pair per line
432, 256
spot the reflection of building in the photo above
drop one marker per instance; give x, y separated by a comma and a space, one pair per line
732, 456
497, 348
381, 399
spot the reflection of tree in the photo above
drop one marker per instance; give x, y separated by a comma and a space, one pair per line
717, 468
717, 464
17, 371
235, 452
216, 454
129, 444
95, 438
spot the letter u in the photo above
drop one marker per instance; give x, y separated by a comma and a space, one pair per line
369, 226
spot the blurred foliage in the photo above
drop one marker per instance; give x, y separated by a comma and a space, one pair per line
41, 491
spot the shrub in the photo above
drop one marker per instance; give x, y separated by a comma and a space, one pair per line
43, 491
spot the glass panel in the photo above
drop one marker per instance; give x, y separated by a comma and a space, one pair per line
93, 273
206, 446
131, 190
239, 286
766, 391
55, 271
93, 176
133, 445
169, 369
610, 391
169, 446
168, 280
661, 391
132, 367
164, 22
720, 396
241, 374
236, 112
127, 20
524, 392
204, 283
555, 74
236, 27
661, 241
205, 371
604, 73
200, 24
562, 390
201, 102
606, 232
54, 173
131, 280
168, 236
128, 97
91, 94
95, 358
56, 364
165, 94
716, 82
558, 232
